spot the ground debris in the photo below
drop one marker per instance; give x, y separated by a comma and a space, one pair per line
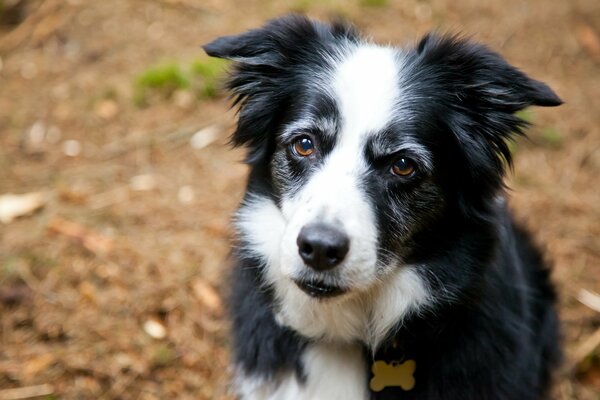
589, 39
590, 299
91, 240
26, 392
208, 296
155, 329
13, 206
13, 295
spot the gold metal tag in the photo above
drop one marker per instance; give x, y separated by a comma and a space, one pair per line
393, 374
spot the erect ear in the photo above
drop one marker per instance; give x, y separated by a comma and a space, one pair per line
479, 93
269, 65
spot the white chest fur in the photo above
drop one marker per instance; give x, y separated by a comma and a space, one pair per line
333, 372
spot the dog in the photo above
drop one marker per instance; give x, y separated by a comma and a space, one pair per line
376, 256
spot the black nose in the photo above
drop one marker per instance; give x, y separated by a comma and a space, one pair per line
322, 246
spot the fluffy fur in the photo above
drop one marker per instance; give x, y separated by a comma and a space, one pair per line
435, 265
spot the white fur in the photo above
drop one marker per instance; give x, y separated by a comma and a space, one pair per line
365, 86
261, 225
366, 315
333, 372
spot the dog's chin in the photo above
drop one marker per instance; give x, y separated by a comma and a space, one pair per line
319, 289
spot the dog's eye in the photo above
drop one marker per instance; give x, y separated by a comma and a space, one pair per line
404, 167
303, 146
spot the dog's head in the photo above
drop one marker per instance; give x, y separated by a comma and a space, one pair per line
363, 156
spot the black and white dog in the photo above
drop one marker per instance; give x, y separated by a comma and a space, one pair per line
376, 255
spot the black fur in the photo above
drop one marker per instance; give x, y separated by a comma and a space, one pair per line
493, 332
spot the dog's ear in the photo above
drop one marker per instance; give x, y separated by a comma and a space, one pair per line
270, 64
479, 93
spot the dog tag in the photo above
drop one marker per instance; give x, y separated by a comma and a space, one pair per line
393, 374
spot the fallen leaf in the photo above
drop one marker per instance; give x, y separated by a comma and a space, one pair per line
584, 349
93, 241
142, 183
26, 392
17, 205
590, 299
107, 109
207, 295
74, 196
185, 195
87, 291
183, 99
205, 137
71, 147
34, 366
155, 329
590, 41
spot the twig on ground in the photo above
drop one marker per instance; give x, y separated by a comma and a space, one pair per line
91, 240
589, 299
26, 29
584, 349
175, 137
26, 392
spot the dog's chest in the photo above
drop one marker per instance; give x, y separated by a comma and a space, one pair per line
342, 372
334, 372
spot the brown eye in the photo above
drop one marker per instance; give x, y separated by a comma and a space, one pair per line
404, 167
303, 146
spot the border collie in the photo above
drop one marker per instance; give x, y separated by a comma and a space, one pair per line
376, 257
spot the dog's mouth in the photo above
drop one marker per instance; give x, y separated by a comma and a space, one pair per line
318, 289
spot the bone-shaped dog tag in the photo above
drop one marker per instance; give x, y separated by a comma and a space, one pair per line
393, 374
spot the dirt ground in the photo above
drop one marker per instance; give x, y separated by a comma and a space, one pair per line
110, 290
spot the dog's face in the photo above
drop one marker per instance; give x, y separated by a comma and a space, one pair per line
353, 180
364, 156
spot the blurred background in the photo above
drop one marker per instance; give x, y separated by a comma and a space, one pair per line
117, 184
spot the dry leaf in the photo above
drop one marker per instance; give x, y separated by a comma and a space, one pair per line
71, 147
205, 137
87, 291
208, 296
143, 182
590, 299
186, 194
93, 241
106, 109
36, 365
26, 392
17, 205
590, 41
585, 349
155, 329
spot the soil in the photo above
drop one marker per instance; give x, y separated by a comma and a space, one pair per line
112, 289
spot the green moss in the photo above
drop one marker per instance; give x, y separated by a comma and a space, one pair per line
552, 137
110, 93
302, 5
512, 146
526, 115
201, 76
167, 76
162, 356
161, 79
374, 3
209, 71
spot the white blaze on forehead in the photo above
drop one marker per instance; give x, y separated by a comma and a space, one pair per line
366, 87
